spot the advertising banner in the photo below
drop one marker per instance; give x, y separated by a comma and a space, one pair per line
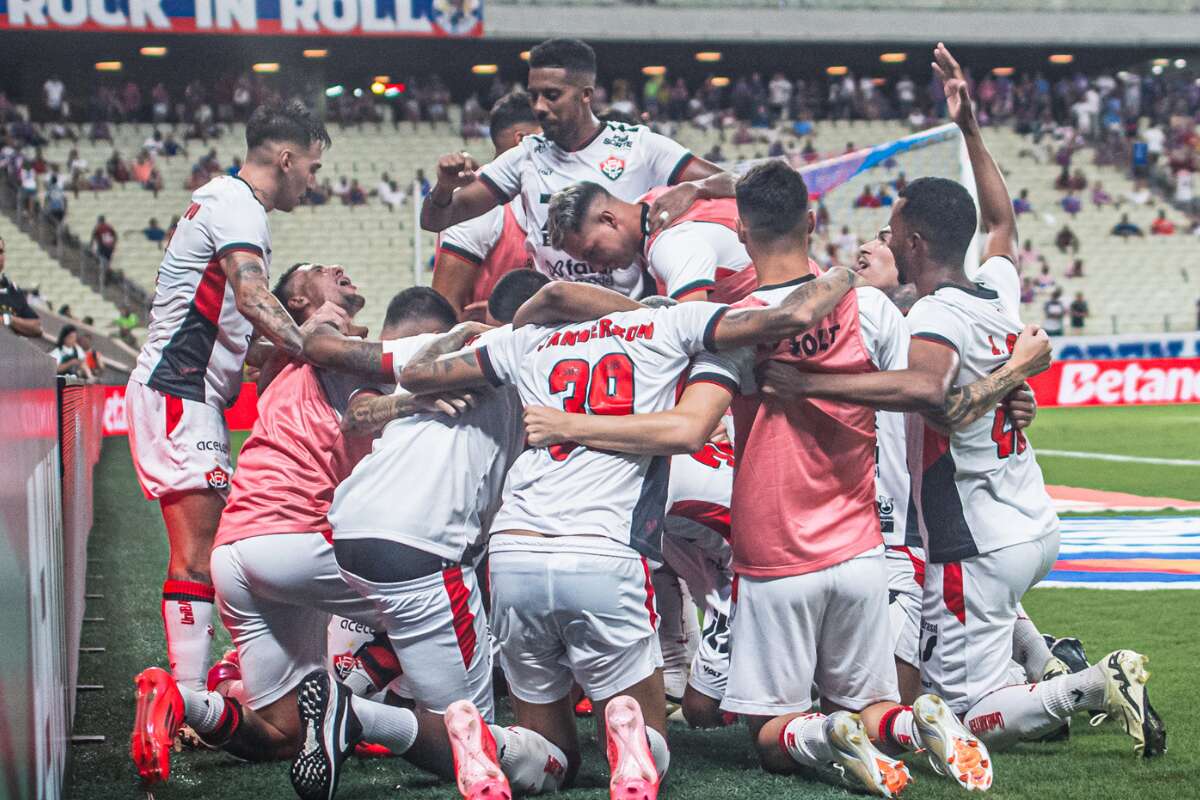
262, 17
1126, 345
1119, 382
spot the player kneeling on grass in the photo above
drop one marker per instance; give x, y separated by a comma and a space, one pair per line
273, 566
989, 528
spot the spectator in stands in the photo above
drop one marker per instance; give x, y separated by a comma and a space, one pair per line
884, 197
104, 240
68, 356
145, 173
235, 167
117, 169
1078, 181
154, 232
1021, 204
355, 196
29, 188
1161, 225
125, 325
392, 196
1066, 240
54, 93
1076, 269
16, 312
100, 132
36, 301
423, 181
846, 244
154, 143
65, 311
196, 179
1100, 198
1027, 256
1079, 313
1045, 281
1071, 203
342, 189
866, 199
91, 356
319, 196
1063, 182
1028, 290
1053, 313
1125, 228
171, 147
56, 200
99, 182
1140, 194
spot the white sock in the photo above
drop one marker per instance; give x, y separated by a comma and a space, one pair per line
359, 682
393, 727
804, 740
899, 727
1029, 648
1030, 711
187, 610
531, 762
660, 750
201, 709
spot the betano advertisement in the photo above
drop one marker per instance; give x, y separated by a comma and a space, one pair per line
1113, 382
263, 17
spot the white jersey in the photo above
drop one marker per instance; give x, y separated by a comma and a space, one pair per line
892, 481
624, 363
979, 489
699, 491
197, 340
432, 482
627, 160
694, 255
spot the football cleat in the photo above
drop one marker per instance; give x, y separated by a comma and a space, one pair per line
228, 668
331, 730
1069, 651
158, 715
859, 761
1127, 701
953, 751
632, 773
476, 766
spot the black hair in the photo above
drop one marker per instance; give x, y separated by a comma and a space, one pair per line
572, 55
289, 122
419, 303
66, 331
943, 213
511, 292
282, 291
511, 109
772, 200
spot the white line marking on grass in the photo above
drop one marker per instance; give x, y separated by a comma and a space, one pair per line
1171, 462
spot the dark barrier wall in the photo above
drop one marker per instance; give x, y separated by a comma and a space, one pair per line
43, 559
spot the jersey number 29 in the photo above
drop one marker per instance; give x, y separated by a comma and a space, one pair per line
606, 388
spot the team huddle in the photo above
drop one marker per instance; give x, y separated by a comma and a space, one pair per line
629, 396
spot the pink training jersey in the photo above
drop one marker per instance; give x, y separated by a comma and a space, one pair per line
804, 487
493, 242
295, 457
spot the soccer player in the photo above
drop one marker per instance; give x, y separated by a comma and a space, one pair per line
273, 566
474, 254
572, 543
989, 528
696, 257
211, 296
806, 540
414, 561
575, 146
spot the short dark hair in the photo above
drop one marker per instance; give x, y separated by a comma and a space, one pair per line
772, 199
568, 209
942, 211
283, 289
288, 122
419, 303
512, 290
513, 108
573, 55
66, 331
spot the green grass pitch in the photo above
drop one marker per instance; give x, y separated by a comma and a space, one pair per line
129, 551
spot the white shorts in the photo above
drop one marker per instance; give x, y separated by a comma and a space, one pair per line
275, 594
439, 630
906, 575
969, 611
827, 628
177, 445
566, 611
344, 638
703, 560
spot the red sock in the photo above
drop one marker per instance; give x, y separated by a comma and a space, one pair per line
187, 609
897, 727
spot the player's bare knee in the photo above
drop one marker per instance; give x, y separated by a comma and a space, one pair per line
701, 711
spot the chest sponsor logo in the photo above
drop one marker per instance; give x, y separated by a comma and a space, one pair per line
612, 167
620, 141
212, 446
217, 478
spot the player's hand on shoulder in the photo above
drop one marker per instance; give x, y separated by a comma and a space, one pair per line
456, 170
1032, 352
781, 381
671, 204
470, 329
544, 426
452, 403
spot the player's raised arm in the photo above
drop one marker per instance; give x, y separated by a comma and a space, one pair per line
442, 365
457, 195
568, 301
369, 412
247, 274
799, 311
995, 203
682, 429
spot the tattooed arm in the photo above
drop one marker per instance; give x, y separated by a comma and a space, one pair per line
370, 412
567, 301
800, 310
442, 365
246, 273
326, 347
